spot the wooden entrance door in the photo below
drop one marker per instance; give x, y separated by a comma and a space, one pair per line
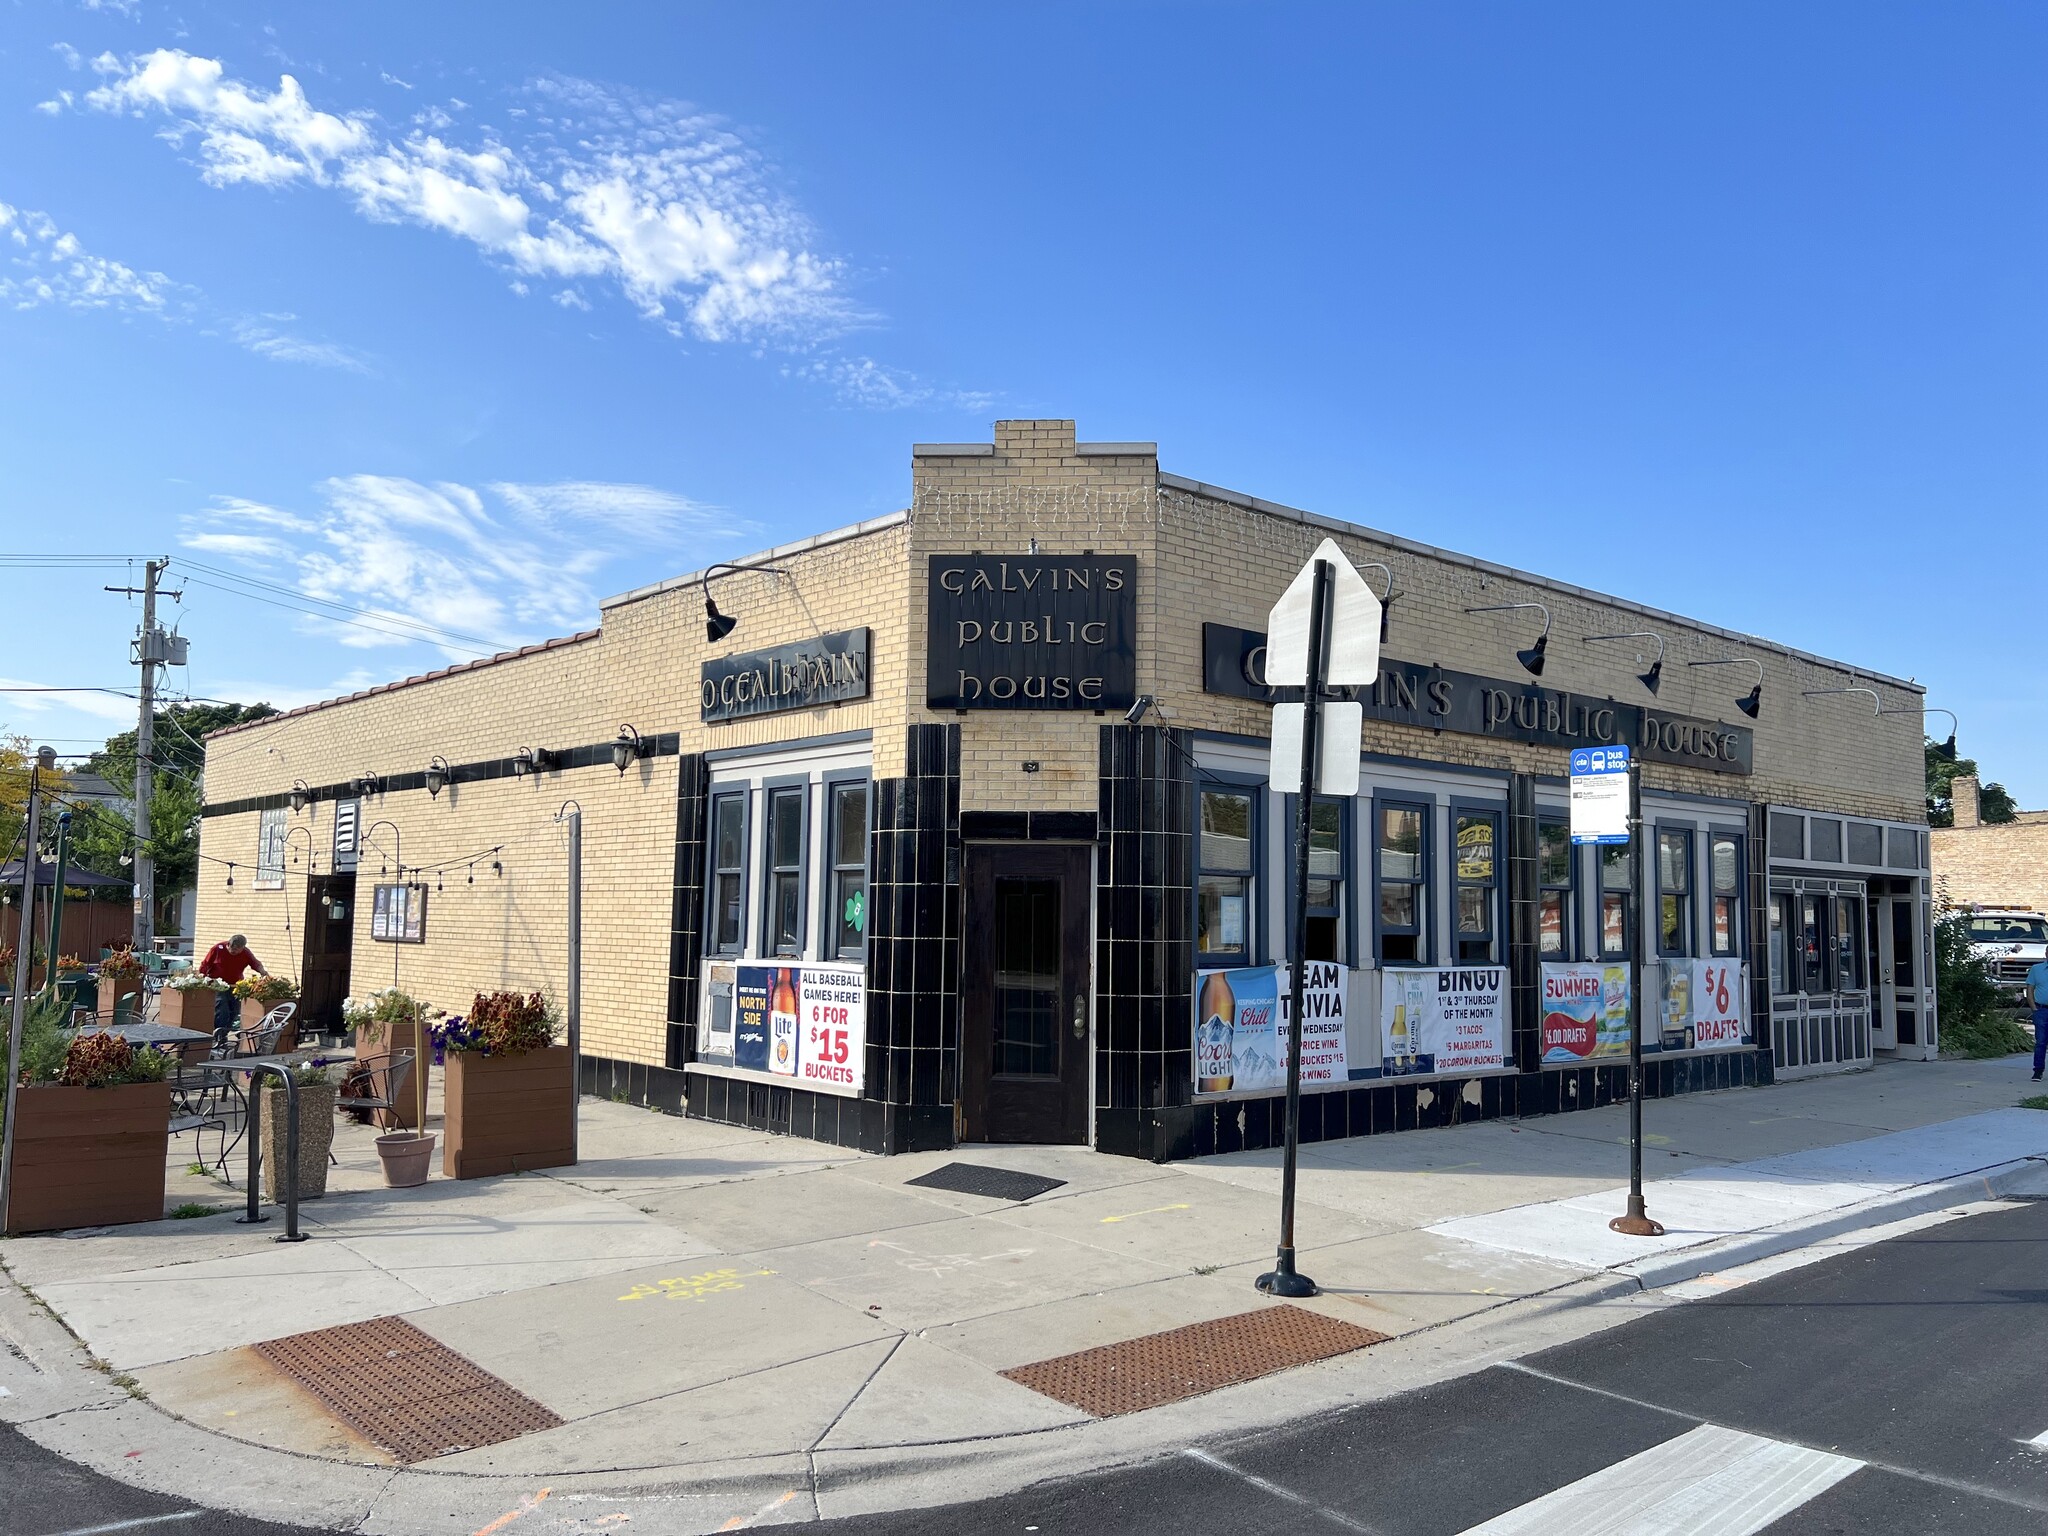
1024, 1049
330, 940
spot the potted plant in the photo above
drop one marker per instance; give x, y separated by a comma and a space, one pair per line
317, 1098
509, 1095
121, 976
260, 994
389, 1021
187, 1002
92, 1128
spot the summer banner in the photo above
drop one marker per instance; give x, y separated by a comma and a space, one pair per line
1445, 1019
1585, 1011
1240, 1028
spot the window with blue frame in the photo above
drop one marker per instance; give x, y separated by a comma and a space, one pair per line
1476, 887
1554, 862
1225, 880
1674, 890
1328, 859
1616, 902
846, 913
783, 887
1726, 914
1401, 854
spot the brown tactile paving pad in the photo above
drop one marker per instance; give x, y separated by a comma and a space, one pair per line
1160, 1368
403, 1391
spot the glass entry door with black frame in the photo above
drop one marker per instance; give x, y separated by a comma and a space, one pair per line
1024, 1051
324, 963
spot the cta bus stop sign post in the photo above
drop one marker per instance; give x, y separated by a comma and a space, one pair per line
1607, 808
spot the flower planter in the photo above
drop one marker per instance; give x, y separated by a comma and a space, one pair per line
117, 999
316, 1136
383, 1040
406, 1158
508, 1113
186, 1008
88, 1157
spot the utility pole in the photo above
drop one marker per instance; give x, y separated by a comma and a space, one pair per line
153, 649
46, 762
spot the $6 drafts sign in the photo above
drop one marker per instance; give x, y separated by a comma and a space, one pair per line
806, 1022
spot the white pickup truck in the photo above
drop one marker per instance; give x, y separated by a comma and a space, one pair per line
2008, 940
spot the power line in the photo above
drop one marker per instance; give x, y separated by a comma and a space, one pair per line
301, 598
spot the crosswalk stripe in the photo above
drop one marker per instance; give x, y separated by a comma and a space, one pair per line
1709, 1481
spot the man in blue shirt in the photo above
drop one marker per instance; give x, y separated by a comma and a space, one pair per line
2037, 985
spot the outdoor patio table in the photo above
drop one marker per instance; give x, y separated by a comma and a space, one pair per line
151, 1034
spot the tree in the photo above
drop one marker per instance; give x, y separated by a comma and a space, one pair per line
1994, 803
17, 759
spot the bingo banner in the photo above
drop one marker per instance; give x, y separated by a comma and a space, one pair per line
1445, 1019
1585, 1012
1241, 1028
805, 1022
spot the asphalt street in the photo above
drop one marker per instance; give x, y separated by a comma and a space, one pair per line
1886, 1390
1894, 1388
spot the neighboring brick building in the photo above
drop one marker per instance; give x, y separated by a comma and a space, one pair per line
2001, 864
994, 900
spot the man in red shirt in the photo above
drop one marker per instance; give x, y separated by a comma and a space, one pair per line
228, 961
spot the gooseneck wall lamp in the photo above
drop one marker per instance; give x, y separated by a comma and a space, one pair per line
1386, 597
366, 783
1752, 702
1655, 675
718, 625
629, 748
1876, 703
301, 792
438, 773
1533, 657
1945, 750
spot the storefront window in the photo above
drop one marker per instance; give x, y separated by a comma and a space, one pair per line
1477, 881
1674, 892
783, 929
1326, 864
1783, 925
1614, 901
1848, 944
1554, 889
1404, 882
1813, 944
728, 873
1223, 882
1727, 909
847, 917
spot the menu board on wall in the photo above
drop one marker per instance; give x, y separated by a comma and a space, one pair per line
398, 914
1444, 1019
1241, 1037
790, 1022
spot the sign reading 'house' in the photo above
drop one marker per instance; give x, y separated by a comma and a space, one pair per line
1032, 632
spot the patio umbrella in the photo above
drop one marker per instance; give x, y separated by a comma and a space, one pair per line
74, 877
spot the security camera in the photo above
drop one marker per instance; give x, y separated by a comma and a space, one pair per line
1137, 711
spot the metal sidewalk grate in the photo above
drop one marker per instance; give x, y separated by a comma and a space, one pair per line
996, 1183
1180, 1363
403, 1391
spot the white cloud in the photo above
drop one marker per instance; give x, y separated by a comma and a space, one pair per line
132, 9
44, 265
863, 381
263, 337
107, 706
675, 210
390, 79
72, 58
440, 554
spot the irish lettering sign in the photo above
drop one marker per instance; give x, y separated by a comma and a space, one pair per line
1438, 700
1032, 632
802, 675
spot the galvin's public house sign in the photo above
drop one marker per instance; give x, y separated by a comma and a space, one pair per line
1233, 662
1032, 632
827, 669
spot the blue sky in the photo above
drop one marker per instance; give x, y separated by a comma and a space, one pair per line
492, 310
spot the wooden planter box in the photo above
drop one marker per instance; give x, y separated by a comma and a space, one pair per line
116, 1001
381, 1040
507, 1113
186, 1010
88, 1157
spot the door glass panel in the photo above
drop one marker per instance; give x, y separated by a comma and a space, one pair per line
1027, 914
1813, 938
1903, 944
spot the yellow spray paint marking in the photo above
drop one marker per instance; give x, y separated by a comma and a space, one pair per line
1656, 1141
1156, 1210
694, 1287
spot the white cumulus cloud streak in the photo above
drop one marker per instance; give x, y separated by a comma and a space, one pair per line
666, 204
46, 265
509, 570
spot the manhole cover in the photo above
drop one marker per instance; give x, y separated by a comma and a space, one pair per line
996, 1183
1180, 1363
403, 1391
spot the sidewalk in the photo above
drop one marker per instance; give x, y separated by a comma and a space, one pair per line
739, 1328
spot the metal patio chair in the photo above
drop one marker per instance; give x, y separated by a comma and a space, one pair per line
375, 1086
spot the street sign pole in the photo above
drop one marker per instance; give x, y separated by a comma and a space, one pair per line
1284, 1279
1637, 1222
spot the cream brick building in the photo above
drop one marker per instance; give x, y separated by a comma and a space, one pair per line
904, 784
1994, 864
